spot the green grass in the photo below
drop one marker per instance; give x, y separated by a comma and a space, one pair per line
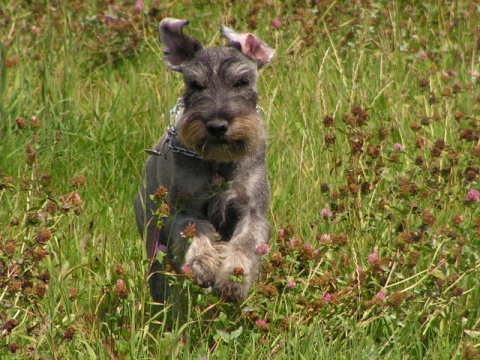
392, 271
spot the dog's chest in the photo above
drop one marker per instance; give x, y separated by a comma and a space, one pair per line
226, 204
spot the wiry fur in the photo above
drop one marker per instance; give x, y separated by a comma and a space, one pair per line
243, 138
221, 124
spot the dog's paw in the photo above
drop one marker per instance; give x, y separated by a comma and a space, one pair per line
231, 291
203, 272
234, 278
203, 260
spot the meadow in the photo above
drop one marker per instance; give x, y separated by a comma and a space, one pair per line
373, 113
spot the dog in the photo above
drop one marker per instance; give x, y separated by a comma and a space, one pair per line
212, 164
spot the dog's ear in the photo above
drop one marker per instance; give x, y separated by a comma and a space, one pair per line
177, 47
250, 45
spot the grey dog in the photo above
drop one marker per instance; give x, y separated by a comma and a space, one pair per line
213, 165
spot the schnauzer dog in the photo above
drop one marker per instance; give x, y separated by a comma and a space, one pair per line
212, 162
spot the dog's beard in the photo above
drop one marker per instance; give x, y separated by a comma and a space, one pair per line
242, 139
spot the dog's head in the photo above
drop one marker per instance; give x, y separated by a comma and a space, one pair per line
220, 120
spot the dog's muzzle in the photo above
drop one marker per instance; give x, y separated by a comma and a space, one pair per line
217, 128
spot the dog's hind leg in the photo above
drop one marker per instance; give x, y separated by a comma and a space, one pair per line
147, 227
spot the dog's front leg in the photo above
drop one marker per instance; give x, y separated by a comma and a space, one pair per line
193, 245
240, 262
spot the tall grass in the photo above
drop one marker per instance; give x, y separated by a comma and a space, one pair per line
373, 117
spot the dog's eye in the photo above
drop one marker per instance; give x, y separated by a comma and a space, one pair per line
241, 83
195, 85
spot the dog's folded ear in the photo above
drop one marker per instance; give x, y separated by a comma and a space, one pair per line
250, 45
177, 47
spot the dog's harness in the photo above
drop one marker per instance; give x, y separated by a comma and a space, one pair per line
171, 133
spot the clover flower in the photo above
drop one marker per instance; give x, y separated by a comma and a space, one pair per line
325, 213
121, 289
380, 296
188, 272
261, 323
291, 283
161, 248
473, 196
325, 239
189, 231
276, 24
217, 179
262, 249
373, 256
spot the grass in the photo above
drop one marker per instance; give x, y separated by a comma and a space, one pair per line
373, 110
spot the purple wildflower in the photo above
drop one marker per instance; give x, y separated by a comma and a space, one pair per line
138, 6
325, 213
291, 283
186, 269
217, 179
327, 297
373, 256
422, 55
161, 247
324, 239
294, 242
398, 147
276, 23
261, 323
474, 73
262, 249
473, 195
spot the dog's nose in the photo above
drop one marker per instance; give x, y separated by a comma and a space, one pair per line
217, 127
